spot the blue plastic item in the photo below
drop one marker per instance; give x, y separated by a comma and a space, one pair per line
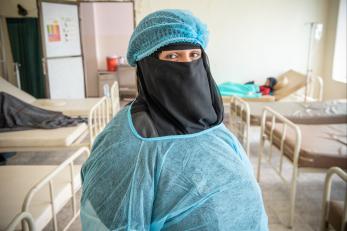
241, 90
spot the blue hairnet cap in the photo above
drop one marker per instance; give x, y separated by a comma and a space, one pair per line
165, 27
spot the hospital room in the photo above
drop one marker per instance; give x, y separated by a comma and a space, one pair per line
211, 115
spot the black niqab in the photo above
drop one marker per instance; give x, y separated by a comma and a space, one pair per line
175, 97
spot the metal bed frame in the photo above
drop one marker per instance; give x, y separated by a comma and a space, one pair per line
315, 88
22, 217
98, 118
276, 117
240, 111
326, 197
25, 215
239, 121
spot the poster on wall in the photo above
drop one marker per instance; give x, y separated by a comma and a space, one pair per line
53, 31
61, 29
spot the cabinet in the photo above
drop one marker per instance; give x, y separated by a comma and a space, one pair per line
126, 77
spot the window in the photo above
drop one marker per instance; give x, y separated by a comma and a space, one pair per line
339, 65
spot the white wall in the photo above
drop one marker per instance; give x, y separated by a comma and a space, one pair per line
114, 25
106, 30
89, 48
252, 39
332, 88
8, 8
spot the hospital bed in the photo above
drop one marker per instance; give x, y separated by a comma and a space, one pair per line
59, 138
69, 107
323, 112
290, 87
39, 192
309, 148
244, 114
334, 212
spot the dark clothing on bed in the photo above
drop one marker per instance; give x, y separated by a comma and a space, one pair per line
16, 115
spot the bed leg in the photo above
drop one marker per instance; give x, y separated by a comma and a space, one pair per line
293, 196
261, 150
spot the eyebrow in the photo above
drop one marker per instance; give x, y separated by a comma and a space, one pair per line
181, 50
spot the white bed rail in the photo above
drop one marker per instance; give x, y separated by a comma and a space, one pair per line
49, 180
315, 88
22, 217
240, 120
326, 197
115, 102
276, 117
98, 118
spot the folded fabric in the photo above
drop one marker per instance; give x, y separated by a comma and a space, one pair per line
200, 181
16, 115
240, 90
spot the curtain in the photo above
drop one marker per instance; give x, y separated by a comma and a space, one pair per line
26, 50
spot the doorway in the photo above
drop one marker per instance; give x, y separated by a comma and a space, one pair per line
26, 50
106, 28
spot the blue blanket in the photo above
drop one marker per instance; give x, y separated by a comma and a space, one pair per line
201, 181
240, 90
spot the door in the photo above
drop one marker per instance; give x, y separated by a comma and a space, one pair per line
26, 50
63, 63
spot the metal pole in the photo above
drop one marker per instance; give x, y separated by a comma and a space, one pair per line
16, 69
309, 58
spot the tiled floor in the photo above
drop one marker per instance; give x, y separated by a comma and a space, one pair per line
275, 193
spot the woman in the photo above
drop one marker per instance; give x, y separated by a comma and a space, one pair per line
166, 162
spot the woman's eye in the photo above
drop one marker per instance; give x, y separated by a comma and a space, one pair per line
195, 55
171, 56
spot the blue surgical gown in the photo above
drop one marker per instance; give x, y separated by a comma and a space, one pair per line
201, 181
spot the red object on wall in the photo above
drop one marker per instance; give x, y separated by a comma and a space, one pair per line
112, 63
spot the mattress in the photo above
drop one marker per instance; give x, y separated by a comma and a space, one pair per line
12, 90
70, 107
323, 146
326, 112
264, 98
58, 137
17, 180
